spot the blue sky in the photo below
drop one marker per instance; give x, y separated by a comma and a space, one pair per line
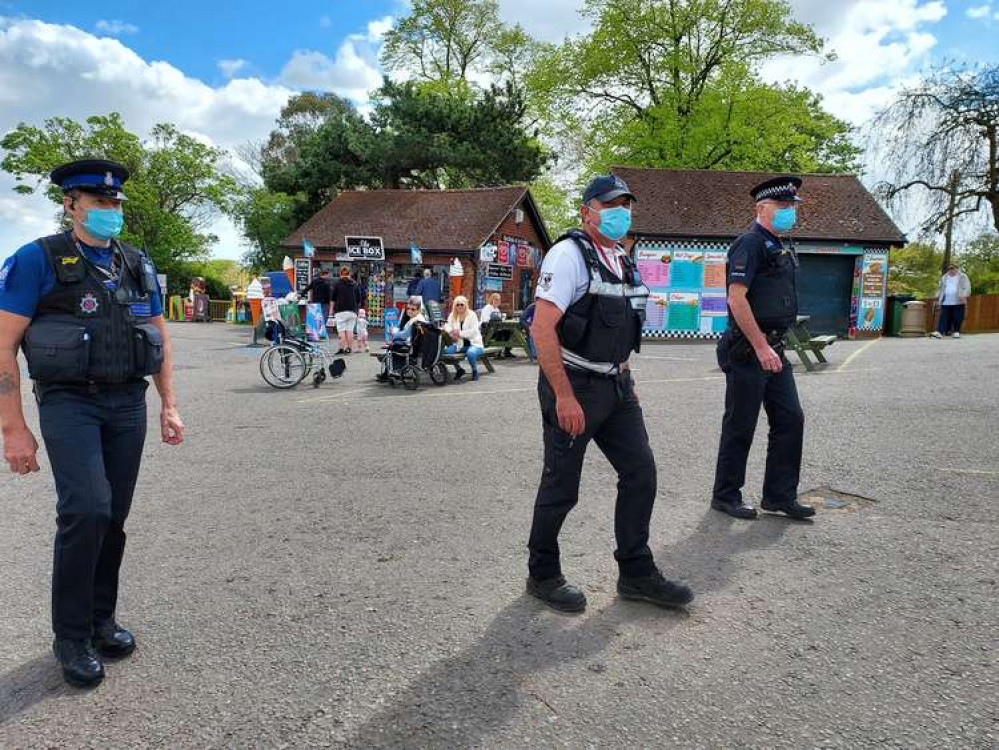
222, 71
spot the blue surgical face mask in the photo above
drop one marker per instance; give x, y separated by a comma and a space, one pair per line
104, 223
785, 219
615, 222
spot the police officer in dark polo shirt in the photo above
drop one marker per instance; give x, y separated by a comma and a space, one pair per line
588, 320
86, 311
763, 304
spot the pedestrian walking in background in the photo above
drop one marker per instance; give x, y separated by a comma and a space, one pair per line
953, 291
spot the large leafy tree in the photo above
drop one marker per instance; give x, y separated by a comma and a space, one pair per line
176, 182
980, 260
674, 83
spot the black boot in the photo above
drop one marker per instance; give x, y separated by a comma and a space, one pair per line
459, 373
656, 589
112, 641
736, 510
81, 666
557, 594
793, 509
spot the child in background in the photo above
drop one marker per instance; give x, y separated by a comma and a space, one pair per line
362, 329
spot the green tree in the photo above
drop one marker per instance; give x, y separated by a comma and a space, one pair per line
915, 269
674, 83
556, 206
176, 184
980, 260
443, 41
266, 218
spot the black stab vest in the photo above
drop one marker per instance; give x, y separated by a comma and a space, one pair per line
773, 293
605, 324
83, 332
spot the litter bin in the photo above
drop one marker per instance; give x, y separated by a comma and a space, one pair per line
913, 319
895, 308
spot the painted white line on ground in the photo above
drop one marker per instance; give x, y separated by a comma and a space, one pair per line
333, 396
983, 472
672, 359
854, 355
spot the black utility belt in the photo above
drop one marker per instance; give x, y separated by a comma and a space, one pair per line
50, 385
581, 372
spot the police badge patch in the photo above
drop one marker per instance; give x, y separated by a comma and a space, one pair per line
89, 304
5, 271
545, 282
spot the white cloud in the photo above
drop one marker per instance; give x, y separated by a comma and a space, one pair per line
116, 28
354, 72
979, 11
48, 70
549, 21
229, 68
879, 45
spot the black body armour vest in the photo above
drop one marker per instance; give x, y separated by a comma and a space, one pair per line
605, 324
83, 332
773, 294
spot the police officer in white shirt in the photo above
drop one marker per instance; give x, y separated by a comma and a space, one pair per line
589, 314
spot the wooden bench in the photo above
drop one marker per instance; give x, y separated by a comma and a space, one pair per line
506, 335
803, 342
488, 354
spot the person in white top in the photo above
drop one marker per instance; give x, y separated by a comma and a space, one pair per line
463, 327
492, 308
952, 298
587, 321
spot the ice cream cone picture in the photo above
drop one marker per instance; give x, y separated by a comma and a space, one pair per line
869, 316
288, 266
456, 274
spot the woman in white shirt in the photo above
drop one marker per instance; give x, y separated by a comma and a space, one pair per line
952, 296
491, 308
463, 327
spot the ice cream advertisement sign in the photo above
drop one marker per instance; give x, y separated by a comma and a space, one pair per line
364, 248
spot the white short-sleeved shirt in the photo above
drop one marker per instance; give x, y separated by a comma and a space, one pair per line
564, 279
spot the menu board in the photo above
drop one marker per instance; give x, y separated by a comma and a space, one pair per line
687, 285
873, 272
303, 274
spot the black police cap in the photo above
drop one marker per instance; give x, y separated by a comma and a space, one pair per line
97, 176
606, 188
783, 188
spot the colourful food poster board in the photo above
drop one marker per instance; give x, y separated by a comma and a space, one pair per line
715, 264
653, 265
687, 270
872, 290
683, 312
315, 323
655, 312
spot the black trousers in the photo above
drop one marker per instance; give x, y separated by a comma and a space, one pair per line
614, 422
749, 386
94, 443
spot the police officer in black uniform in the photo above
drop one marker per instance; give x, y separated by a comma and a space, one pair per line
763, 303
88, 314
588, 320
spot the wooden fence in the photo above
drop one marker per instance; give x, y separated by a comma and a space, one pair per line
982, 314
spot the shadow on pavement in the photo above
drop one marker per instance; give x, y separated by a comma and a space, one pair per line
706, 558
470, 696
28, 684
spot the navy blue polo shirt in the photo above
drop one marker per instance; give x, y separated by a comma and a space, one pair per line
749, 252
27, 276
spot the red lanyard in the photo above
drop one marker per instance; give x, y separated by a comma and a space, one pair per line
615, 267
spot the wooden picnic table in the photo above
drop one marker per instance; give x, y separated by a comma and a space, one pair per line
800, 339
506, 334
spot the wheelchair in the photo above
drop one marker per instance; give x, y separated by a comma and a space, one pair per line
289, 360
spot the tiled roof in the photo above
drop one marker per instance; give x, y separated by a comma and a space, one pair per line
709, 203
450, 220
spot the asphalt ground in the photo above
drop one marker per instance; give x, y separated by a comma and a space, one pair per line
345, 567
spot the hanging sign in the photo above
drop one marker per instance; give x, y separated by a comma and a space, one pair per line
499, 271
364, 248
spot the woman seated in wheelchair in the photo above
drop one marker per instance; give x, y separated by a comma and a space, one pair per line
403, 339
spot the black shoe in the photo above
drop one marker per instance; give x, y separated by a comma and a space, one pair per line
654, 588
736, 510
112, 641
458, 374
794, 509
557, 594
475, 376
81, 666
